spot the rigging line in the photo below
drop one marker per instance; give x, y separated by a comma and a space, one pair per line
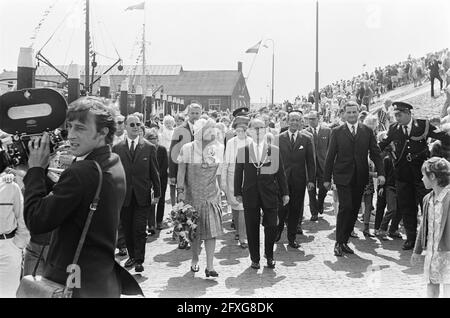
70, 45
251, 66
110, 38
59, 26
41, 22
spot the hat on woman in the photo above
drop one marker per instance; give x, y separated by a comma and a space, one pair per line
240, 121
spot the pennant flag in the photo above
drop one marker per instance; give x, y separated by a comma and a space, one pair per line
140, 6
255, 48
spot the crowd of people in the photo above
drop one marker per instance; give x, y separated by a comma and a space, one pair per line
262, 161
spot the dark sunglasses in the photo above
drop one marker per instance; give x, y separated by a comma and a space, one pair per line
120, 122
137, 125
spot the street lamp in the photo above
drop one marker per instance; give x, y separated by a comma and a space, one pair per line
273, 62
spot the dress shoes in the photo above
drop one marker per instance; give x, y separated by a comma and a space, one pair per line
299, 230
294, 244
368, 234
347, 249
321, 210
354, 235
270, 263
314, 218
338, 250
139, 268
408, 245
130, 262
122, 251
212, 273
255, 265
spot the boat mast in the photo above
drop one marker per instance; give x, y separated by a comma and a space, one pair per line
144, 83
86, 51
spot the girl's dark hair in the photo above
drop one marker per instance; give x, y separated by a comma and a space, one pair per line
440, 167
104, 115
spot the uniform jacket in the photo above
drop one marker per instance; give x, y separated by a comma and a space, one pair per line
408, 148
181, 135
348, 155
298, 159
269, 184
64, 211
141, 172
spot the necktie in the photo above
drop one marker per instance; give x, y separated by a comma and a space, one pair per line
405, 130
315, 137
132, 149
292, 139
353, 130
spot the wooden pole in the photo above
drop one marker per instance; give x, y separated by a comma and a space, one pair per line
86, 52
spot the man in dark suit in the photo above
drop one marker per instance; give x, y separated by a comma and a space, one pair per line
321, 141
259, 182
409, 136
298, 160
163, 164
64, 210
347, 159
138, 157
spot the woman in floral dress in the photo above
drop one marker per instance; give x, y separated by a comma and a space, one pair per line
198, 185
434, 231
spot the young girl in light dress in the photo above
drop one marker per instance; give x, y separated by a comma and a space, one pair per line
434, 232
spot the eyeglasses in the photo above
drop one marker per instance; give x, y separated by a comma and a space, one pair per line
135, 124
120, 122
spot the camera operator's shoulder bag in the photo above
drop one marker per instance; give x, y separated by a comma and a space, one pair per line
32, 286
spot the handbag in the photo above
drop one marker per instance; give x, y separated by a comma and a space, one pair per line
32, 286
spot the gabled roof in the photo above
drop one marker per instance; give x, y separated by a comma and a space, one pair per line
199, 83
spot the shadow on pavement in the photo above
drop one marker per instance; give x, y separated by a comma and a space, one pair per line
139, 278
187, 286
288, 256
229, 254
175, 257
321, 225
354, 265
249, 280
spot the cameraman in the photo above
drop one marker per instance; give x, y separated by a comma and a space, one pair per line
64, 210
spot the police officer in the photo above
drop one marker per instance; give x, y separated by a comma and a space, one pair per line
409, 136
243, 111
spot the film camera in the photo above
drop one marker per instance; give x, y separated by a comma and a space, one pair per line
29, 113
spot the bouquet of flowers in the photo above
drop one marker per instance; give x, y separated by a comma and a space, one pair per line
184, 218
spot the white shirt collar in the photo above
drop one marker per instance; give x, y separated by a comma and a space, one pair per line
82, 157
350, 126
136, 141
409, 125
291, 133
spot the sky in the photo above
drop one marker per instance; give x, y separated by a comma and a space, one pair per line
214, 35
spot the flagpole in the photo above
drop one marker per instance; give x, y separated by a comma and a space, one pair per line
316, 99
86, 52
273, 67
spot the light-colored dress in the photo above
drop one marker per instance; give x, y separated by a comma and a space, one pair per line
165, 137
228, 167
437, 263
201, 189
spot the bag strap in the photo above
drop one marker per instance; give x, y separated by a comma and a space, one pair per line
67, 293
92, 209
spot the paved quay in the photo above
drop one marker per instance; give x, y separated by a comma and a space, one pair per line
378, 269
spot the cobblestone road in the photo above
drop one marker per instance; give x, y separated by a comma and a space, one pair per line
378, 269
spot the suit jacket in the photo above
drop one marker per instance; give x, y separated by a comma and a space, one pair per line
348, 155
163, 162
298, 160
181, 135
141, 172
321, 144
406, 146
269, 185
64, 211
